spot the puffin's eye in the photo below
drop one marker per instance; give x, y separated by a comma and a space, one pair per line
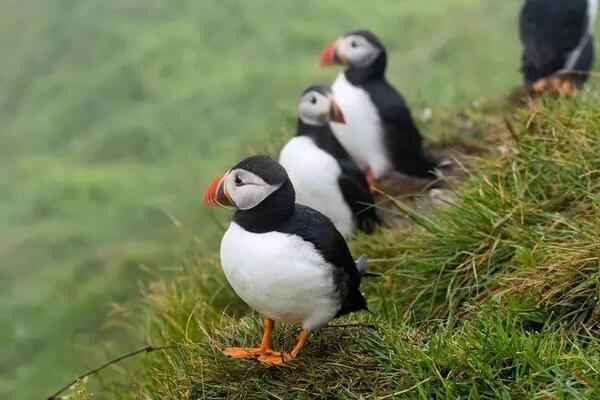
238, 181
313, 100
354, 44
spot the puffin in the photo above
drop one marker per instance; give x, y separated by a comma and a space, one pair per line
323, 174
558, 44
285, 260
380, 133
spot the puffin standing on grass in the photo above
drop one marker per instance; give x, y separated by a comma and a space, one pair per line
322, 173
379, 133
285, 260
558, 44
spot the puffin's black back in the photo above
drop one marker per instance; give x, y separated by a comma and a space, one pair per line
550, 30
352, 181
403, 139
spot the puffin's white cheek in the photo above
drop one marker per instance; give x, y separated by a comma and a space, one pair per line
241, 197
321, 112
362, 57
311, 112
249, 196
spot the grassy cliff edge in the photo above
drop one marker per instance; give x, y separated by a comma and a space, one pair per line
493, 297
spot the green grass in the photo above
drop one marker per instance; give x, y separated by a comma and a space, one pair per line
114, 115
493, 298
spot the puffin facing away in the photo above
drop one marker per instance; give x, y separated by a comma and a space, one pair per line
379, 133
285, 260
558, 43
323, 174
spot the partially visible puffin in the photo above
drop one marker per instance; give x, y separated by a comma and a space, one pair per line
379, 133
322, 173
285, 260
558, 43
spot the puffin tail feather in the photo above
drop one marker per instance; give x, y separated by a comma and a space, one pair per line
362, 264
371, 275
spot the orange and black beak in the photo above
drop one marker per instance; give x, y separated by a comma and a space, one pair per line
330, 57
335, 113
216, 195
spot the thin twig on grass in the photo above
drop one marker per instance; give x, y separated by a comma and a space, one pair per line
147, 349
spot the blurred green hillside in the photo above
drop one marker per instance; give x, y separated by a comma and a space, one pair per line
115, 114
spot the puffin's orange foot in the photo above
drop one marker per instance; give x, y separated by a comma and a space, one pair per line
567, 88
242, 352
372, 182
540, 86
275, 358
554, 86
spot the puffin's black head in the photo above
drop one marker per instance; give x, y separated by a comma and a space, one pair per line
249, 184
358, 50
317, 107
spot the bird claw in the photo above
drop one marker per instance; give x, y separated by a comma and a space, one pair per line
539, 86
372, 182
242, 352
275, 358
567, 88
555, 86
267, 357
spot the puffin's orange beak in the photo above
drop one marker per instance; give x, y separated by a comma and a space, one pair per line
328, 56
335, 113
216, 195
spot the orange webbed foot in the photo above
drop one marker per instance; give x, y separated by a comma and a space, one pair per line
264, 354
540, 86
275, 358
372, 182
253, 352
567, 88
554, 86
242, 352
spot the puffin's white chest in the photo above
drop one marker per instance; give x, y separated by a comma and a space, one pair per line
363, 133
281, 276
314, 174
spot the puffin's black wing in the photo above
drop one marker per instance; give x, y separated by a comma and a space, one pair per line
550, 30
355, 190
317, 229
402, 137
